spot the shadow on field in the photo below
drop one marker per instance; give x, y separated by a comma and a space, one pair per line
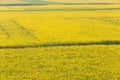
62, 44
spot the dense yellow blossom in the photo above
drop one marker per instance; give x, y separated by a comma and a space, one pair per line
55, 63
50, 24
38, 27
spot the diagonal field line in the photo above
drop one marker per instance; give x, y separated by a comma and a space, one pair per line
4, 31
24, 30
61, 44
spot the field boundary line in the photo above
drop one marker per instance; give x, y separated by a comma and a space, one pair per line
61, 9
61, 44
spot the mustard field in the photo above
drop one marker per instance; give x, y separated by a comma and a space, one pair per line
60, 42
61, 63
38, 27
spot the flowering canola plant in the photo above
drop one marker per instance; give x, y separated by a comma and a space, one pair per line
58, 24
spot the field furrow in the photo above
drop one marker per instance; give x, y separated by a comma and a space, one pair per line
22, 30
16, 33
3, 31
